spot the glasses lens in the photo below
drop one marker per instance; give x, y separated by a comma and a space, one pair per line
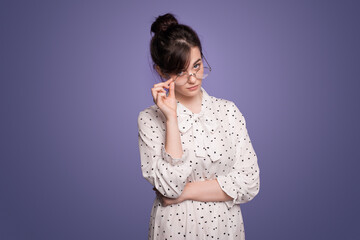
202, 73
181, 80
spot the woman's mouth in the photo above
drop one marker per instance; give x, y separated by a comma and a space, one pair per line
193, 88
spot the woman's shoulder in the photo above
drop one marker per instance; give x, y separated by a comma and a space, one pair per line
223, 105
226, 110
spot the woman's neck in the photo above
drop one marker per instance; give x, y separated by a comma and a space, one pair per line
192, 103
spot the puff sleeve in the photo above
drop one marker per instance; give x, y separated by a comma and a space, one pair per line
242, 183
167, 174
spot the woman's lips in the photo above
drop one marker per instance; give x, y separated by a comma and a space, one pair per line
193, 88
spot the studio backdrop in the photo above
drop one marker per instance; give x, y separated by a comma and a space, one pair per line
75, 75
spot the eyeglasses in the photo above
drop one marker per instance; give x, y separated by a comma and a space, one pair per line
201, 72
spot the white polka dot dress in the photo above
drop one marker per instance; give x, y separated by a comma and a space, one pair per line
216, 145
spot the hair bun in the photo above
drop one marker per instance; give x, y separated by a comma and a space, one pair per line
163, 22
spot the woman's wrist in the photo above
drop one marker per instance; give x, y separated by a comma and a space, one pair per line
187, 193
171, 119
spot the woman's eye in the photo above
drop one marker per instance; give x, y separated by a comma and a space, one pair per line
197, 65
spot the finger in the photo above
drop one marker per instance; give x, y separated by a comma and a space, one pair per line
160, 97
160, 88
158, 84
167, 201
169, 80
155, 93
162, 94
163, 202
165, 84
172, 89
155, 90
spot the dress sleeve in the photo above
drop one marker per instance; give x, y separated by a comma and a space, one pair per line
242, 183
167, 174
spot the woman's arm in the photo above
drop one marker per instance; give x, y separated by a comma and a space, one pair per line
173, 141
203, 191
167, 174
164, 162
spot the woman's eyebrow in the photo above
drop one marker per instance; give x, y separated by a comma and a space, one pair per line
196, 61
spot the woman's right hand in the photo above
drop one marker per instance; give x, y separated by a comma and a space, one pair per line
167, 104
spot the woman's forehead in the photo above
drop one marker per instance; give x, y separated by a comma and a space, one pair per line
195, 56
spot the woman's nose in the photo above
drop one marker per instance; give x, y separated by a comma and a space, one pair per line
192, 78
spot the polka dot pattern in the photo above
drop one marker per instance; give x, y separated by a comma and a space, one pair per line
216, 145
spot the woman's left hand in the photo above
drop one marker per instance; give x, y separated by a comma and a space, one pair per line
165, 201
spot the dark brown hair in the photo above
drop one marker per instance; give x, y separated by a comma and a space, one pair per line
171, 44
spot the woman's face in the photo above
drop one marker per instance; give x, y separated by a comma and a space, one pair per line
195, 64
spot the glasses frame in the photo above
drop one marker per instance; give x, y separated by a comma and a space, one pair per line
194, 74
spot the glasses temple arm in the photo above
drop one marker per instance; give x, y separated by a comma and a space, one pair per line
206, 61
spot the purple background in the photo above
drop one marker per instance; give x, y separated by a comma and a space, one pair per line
75, 75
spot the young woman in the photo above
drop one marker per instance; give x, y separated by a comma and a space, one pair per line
194, 148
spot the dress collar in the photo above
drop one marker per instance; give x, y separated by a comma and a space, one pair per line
203, 125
